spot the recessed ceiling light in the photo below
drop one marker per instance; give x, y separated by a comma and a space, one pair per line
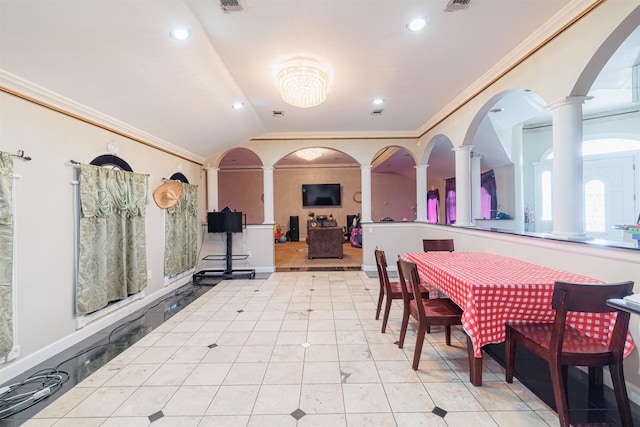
180, 33
378, 101
237, 105
417, 24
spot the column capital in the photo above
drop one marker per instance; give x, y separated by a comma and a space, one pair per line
568, 100
267, 168
421, 166
212, 168
463, 148
365, 167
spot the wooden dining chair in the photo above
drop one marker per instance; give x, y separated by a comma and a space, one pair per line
387, 288
443, 245
428, 312
562, 345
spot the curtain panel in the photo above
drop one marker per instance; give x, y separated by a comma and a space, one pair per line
181, 233
6, 254
112, 257
450, 201
488, 197
433, 206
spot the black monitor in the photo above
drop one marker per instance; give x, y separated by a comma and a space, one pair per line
224, 222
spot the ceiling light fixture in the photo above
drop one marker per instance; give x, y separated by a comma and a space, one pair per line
309, 154
378, 101
417, 24
237, 105
303, 83
180, 33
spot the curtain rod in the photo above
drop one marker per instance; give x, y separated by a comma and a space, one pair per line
76, 163
21, 155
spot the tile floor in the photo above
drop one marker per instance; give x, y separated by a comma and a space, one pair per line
296, 349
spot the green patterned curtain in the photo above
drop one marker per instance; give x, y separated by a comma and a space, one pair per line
181, 232
112, 259
6, 254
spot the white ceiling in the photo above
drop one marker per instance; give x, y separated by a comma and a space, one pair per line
116, 57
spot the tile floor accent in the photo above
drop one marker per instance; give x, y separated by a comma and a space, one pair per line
275, 353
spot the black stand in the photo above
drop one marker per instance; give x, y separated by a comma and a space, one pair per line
229, 272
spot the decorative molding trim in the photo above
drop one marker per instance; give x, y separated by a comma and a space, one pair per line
38, 95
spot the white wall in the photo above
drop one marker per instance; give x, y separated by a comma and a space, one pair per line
44, 237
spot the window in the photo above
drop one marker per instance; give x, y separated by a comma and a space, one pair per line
594, 198
546, 195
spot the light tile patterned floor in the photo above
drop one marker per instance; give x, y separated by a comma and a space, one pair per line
297, 349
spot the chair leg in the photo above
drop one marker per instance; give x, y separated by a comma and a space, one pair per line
447, 334
557, 382
510, 356
380, 297
595, 375
404, 326
418, 351
620, 391
387, 309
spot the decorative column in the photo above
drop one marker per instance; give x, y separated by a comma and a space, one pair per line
476, 186
365, 183
567, 184
212, 189
268, 195
463, 185
421, 193
517, 159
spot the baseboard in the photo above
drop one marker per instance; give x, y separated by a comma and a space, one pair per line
19, 366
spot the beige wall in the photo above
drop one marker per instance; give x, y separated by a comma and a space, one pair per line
287, 184
394, 196
242, 190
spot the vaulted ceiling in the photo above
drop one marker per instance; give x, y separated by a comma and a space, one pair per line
117, 57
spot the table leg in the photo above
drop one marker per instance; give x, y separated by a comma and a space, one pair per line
475, 365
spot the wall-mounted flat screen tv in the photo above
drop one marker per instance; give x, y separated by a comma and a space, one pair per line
224, 222
321, 195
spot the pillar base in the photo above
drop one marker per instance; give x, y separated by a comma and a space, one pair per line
568, 236
464, 224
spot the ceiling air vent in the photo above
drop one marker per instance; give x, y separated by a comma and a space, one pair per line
376, 112
454, 5
230, 6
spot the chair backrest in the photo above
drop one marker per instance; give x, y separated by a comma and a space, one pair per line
406, 292
409, 272
437, 245
381, 265
590, 298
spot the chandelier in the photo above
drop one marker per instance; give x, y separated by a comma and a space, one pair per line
302, 83
309, 154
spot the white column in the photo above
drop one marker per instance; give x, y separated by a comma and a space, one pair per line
267, 172
567, 184
365, 182
516, 157
476, 186
463, 185
212, 189
421, 193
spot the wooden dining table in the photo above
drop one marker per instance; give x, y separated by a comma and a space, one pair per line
493, 289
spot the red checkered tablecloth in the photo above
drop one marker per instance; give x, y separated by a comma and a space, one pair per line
493, 289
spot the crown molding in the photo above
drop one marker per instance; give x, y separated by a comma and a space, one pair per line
24, 89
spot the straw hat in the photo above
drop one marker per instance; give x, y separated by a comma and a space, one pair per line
168, 194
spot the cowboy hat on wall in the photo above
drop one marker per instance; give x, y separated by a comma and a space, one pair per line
168, 194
